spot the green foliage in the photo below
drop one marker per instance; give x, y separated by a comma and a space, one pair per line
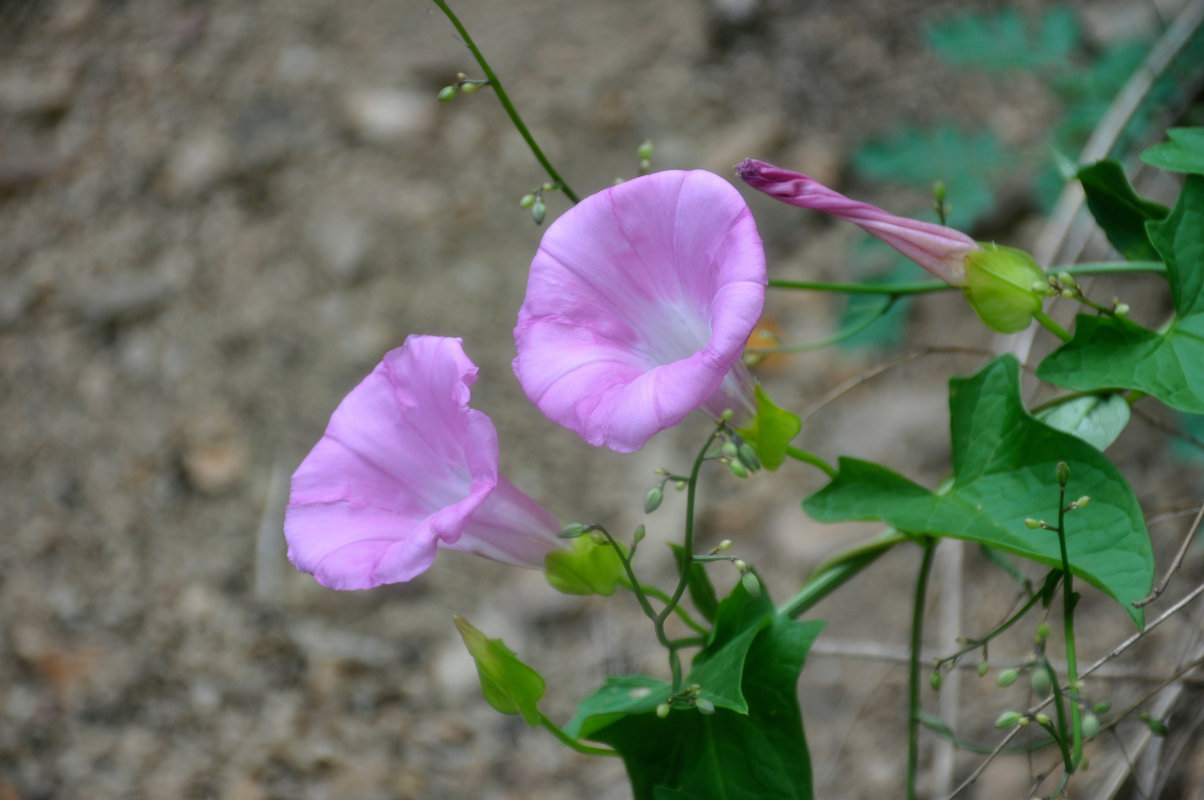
1097, 419
727, 754
1184, 152
1107, 351
508, 684
771, 431
1119, 210
1004, 462
1003, 42
588, 568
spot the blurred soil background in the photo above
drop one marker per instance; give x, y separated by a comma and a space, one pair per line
217, 216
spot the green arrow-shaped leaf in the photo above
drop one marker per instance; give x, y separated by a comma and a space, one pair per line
1004, 463
508, 684
1183, 153
1110, 352
1120, 211
1094, 418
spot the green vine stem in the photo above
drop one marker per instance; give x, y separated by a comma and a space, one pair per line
977, 643
571, 742
812, 459
1048, 323
681, 612
837, 571
504, 99
913, 677
1069, 601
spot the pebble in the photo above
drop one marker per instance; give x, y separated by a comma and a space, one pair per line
341, 243
214, 454
383, 116
197, 164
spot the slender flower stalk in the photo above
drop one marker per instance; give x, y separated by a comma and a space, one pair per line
639, 304
406, 467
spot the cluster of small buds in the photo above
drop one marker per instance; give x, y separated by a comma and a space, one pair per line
463, 84
534, 201
645, 155
739, 455
690, 697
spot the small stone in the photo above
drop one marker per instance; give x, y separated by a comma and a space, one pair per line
383, 116
213, 454
341, 243
199, 163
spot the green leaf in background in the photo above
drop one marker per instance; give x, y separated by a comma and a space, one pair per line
1096, 419
1183, 153
587, 568
721, 756
1110, 352
970, 163
1120, 211
1004, 463
771, 431
698, 583
1003, 42
508, 684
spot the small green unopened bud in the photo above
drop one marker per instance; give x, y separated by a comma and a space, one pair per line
936, 680
1156, 726
645, 150
598, 538
999, 287
1041, 681
939, 192
1120, 309
680, 486
737, 469
1042, 719
539, 211
1042, 631
739, 564
983, 667
748, 457
1102, 707
1008, 719
645, 166
726, 544
1066, 279
1091, 726
470, 86
727, 415
1007, 677
527, 201
730, 449
1082, 501
1062, 473
638, 534
573, 530
704, 706
751, 584
1033, 524
662, 710
446, 93
652, 500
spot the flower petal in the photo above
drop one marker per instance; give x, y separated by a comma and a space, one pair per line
936, 248
638, 305
401, 470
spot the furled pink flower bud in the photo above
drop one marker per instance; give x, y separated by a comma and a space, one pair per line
938, 249
638, 306
406, 467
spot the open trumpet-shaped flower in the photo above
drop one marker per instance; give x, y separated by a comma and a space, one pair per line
638, 306
938, 249
406, 467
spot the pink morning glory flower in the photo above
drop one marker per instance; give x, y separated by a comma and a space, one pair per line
940, 250
406, 467
639, 304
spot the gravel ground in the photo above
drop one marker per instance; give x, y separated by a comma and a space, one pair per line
217, 216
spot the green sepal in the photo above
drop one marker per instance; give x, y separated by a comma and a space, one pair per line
508, 684
1004, 464
587, 568
999, 287
770, 431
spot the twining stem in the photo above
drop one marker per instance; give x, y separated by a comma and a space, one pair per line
680, 610
812, 459
1068, 603
1053, 327
504, 99
571, 742
913, 678
977, 643
1111, 268
687, 558
841, 335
